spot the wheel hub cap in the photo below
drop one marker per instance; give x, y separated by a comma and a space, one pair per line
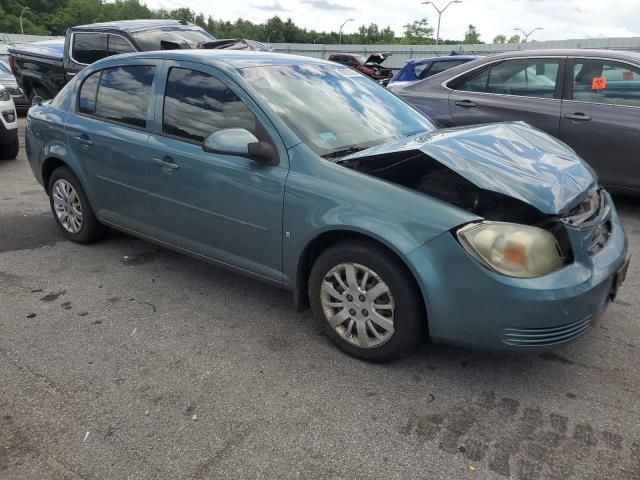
358, 305
67, 206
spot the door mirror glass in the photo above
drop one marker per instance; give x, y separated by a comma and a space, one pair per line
241, 143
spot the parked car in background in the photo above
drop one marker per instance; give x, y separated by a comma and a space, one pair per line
43, 68
370, 65
8, 81
589, 99
421, 68
9, 144
281, 167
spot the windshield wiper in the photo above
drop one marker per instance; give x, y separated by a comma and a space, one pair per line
343, 152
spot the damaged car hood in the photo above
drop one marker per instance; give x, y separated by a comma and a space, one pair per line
513, 159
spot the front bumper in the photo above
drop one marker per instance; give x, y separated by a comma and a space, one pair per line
468, 304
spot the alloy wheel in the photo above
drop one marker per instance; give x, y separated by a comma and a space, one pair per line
67, 206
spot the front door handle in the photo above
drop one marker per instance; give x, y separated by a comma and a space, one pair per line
580, 117
84, 140
166, 163
465, 103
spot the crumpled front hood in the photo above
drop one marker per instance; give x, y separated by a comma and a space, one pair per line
513, 159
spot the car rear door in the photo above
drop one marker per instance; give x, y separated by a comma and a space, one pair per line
223, 207
527, 89
601, 118
109, 135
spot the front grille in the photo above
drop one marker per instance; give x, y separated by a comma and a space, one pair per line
539, 337
14, 91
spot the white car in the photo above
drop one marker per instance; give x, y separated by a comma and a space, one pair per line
9, 144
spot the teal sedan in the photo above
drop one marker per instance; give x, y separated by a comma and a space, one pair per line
308, 175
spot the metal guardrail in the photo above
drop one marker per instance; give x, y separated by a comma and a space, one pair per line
402, 53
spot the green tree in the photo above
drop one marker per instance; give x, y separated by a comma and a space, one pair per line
471, 36
514, 39
418, 32
500, 39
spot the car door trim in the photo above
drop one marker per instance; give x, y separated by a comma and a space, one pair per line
209, 212
191, 253
111, 180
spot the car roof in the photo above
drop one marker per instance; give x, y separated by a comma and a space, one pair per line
448, 58
134, 25
570, 52
229, 58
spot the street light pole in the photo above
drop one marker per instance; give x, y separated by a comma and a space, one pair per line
341, 27
527, 35
440, 12
24, 9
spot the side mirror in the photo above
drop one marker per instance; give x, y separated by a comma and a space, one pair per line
241, 143
36, 101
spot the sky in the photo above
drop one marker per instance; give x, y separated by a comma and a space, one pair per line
561, 19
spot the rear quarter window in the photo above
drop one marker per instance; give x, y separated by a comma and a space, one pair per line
118, 94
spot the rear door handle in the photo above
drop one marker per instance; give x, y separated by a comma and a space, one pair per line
166, 163
580, 117
465, 103
84, 140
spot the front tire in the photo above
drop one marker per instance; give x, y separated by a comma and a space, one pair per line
10, 150
366, 301
71, 209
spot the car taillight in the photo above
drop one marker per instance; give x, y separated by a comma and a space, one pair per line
11, 64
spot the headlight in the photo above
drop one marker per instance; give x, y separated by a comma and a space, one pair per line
511, 249
4, 95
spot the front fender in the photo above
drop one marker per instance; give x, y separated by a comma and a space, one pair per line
321, 197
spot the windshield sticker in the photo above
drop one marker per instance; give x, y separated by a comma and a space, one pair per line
599, 83
328, 136
347, 72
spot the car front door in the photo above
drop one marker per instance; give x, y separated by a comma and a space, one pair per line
525, 89
109, 135
601, 118
227, 208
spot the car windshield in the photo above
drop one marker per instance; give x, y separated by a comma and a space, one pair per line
4, 68
334, 110
151, 40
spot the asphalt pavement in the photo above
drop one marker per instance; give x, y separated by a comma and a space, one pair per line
121, 360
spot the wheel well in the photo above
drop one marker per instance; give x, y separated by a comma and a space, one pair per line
49, 165
318, 245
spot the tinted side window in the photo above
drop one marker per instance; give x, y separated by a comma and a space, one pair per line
89, 47
197, 105
88, 93
421, 69
118, 45
124, 93
443, 66
528, 77
602, 81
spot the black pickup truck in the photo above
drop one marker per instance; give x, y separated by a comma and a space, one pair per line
43, 68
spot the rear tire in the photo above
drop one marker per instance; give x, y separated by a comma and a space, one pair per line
71, 209
10, 150
366, 301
